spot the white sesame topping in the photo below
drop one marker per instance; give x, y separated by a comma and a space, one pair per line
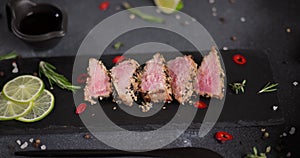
131, 16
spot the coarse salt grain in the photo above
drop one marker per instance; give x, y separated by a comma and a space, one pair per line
31, 140
214, 9
275, 107
24, 145
18, 142
295, 83
43, 147
225, 48
243, 19
292, 130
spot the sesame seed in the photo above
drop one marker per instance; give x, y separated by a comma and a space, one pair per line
284, 134
214, 14
263, 130
164, 108
114, 108
288, 30
268, 149
289, 154
177, 17
87, 136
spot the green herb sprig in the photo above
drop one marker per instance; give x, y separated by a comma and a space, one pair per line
54, 78
255, 154
142, 15
269, 88
118, 45
11, 55
238, 87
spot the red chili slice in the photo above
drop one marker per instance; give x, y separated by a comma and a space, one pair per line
80, 108
82, 78
104, 5
200, 105
223, 136
118, 59
239, 59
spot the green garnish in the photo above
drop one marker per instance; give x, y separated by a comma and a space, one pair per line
255, 154
142, 15
54, 78
237, 87
11, 55
118, 45
269, 88
179, 6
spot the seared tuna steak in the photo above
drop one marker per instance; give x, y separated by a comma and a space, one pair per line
183, 72
210, 76
124, 83
155, 82
98, 81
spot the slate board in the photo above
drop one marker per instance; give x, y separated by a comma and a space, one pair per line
248, 109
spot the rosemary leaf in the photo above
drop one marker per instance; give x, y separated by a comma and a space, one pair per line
142, 15
53, 77
11, 55
269, 88
237, 87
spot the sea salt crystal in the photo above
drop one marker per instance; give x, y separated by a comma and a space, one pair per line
275, 107
225, 48
295, 83
31, 140
43, 147
24, 145
18, 142
243, 19
15, 68
284, 134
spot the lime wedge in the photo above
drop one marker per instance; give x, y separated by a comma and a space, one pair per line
23, 89
167, 6
10, 110
42, 106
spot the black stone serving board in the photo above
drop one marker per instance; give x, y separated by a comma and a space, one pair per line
248, 109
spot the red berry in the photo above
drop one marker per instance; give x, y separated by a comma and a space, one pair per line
239, 59
200, 105
80, 108
104, 5
118, 59
223, 136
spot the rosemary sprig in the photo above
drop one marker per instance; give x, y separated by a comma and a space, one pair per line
54, 78
11, 55
237, 87
118, 45
269, 88
142, 15
255, 154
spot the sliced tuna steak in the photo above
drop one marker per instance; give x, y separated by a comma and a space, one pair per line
210, 76
183, 72
124, 83
155, 82
98, 83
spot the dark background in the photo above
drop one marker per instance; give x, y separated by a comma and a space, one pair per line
264, 29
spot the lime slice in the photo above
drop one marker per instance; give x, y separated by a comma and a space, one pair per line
42, 106
10, 110
167, 6
23, 89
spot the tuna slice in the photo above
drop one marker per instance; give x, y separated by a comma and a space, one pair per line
98, 82
210, 76
124, 83
155, 82
183, 72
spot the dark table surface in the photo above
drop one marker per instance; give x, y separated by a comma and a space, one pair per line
264, 29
